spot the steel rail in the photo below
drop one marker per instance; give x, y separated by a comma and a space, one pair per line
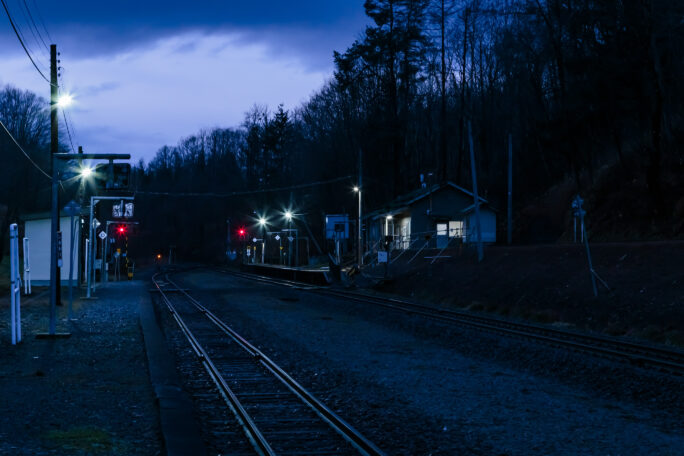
349, 433
671, 360
253, 434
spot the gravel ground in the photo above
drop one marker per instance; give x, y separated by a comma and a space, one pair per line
85, 395
419, 387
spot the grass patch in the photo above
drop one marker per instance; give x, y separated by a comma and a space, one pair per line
88, 439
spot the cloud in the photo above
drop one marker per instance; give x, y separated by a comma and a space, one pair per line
139, 99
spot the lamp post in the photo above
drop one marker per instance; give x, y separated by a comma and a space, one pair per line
359, 239
288, 216
262, 223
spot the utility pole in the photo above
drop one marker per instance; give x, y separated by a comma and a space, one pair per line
509, 231
359, 241
54, 270
478, 226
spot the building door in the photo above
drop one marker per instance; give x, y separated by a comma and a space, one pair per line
442, 237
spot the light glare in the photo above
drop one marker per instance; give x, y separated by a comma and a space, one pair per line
86, 172
65, 100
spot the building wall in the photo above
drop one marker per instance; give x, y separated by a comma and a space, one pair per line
446, 201
38, 233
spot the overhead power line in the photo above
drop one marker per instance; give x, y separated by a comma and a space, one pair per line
40, 18
245, 192
28, 10
9, 16
25, 36
23, 151
73, 149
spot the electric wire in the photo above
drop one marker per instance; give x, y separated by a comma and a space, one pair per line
9, 16
24, 152
73, 149
27, 43
28, 10
31, 28
244, 192
40, 19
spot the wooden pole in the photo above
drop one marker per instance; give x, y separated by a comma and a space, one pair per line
509, 231
478, 226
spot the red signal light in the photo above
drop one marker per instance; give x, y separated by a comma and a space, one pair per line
122, 230
241, 232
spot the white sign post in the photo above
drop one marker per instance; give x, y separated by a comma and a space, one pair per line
15, 284
27, 268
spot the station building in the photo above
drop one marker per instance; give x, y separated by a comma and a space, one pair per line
440, 214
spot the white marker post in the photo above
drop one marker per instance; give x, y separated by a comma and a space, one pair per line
15, 284
27, 268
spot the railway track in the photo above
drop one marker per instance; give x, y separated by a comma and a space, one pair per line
277, 415
646, 355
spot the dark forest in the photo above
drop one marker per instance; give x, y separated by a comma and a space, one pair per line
588, 92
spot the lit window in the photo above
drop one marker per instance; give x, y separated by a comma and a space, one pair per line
456, 228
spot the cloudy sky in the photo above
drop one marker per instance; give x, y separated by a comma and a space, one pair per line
146, 73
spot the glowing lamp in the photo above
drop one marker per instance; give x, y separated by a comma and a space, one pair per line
65, 100
86, 172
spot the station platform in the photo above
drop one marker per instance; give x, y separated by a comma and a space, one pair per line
106, 386
314, 276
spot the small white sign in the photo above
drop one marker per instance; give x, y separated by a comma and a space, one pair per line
254, 240
128, 210
102, 235
290, 238
277, 237
382, 257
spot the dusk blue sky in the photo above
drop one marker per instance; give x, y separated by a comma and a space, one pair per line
146, 73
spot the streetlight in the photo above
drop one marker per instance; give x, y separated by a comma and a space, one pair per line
359, 241
262, 223
65, 100
288, 216
86, 172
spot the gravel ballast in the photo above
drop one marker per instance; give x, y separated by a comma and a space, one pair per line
414, 386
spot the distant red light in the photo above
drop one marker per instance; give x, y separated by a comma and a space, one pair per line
122, 229
242, 232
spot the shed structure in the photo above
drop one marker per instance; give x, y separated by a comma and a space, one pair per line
37, 230
438, 214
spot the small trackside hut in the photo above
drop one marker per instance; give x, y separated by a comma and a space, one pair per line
439, 215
